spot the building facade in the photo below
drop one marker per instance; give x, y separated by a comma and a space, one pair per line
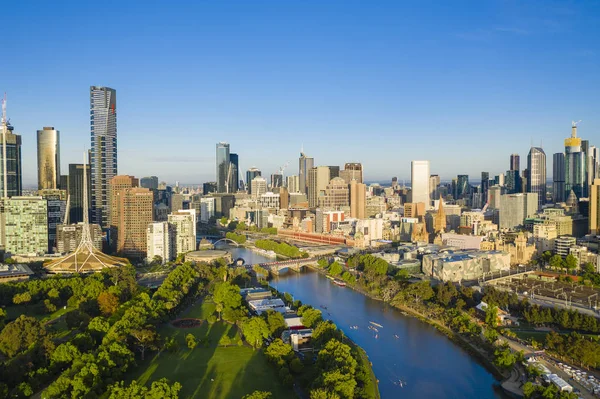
134, 214
352, 171
536, 182
558, 177
159, 242
48, 156
594, 214
183, 225
68, 237
358, 200
336, 196
515, 208
150, 182
103, 124
305, 164
223, 167
250, 175
14, 177
207, 209
26, 225
419, 181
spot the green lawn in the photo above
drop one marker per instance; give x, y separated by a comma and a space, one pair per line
210, 371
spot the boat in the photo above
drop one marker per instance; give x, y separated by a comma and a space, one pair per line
396, 336
330, 277
323, 307
339, 283
376, 324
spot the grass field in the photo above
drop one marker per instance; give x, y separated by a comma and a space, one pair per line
211, 371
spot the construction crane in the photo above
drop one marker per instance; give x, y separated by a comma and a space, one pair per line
574, 124
67, 209
281, 170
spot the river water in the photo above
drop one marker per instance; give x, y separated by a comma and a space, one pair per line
405, 349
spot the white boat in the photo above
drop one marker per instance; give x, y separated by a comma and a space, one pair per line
376, 324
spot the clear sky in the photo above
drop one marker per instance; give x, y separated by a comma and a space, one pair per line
461, 83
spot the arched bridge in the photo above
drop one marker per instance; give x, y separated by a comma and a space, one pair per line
229, 240
293, 264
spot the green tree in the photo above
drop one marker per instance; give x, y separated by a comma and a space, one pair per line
504, 358
338, 368
22, 299
323, 263
158, 390
227, 296
255, 329
258, 395
491, 316
191, 341
278, 352
322, 393
76, 319
145, 338
324, 332
20, 335
420, 291
275, 321
571, 262
65, 353
311, 317
335, 269
556, 261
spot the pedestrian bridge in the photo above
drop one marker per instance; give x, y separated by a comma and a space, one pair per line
292, 264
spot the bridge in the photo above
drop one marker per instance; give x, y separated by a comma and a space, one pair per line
501, 276
228, 240
292, 264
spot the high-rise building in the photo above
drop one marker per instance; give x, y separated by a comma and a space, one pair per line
26, 225
135, 214
463, 189
150, 182
57, 205
117, 184
207, 209
210, 187
485, 185
593, 156
305, 164
183, 225
558, 177
594, 215
514, 208
515, 162
334, 171
68, 237
318, 178
336, 195
250, 175
48, 153
352, 171
358, 199
234, 175
14, 176
159, 241
103, 124
419, 181
536, 181
293, 184
258, 186
434, 183
276, 180
223, 167
575, 166
76, 191
513, 181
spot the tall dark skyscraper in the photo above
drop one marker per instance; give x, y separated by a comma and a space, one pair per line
150, 182
462, 186
250, 175
558, 177
515, 162
536, 179
485, 185
76, 191
13, 164
223, 167
48, 153
305, 164
103, 124
575, 166
234, 178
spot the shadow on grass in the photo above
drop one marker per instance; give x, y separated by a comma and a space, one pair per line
259, 375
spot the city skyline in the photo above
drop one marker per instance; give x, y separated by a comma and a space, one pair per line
443, 83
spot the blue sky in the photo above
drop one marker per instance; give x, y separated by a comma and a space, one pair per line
461, 83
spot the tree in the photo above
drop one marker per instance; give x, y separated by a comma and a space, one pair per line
571, 262
279, 351
158, 389
556, 261
323, 263
65, 354
275, 321
191, 341
504, 358
491, 316
311, 317
255, 330
227, 295
335, 268
258, 395
108, 303
145, 338
22, 299
76, 319
322, 393
420, 291
20, 335
338, 367
324, 332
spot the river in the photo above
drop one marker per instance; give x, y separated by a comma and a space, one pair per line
426, 361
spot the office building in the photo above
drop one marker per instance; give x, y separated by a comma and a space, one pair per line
594, 213
76, 191
515, 208
563, 244
207, 209
419, 181
305, 164
14, 176
575, 166
211, 187
68, 237
536, 181
485, 185
558, 178
117, 184
234, 175
464, 265
434, 183
134, 214
515, 162
26, 226
250, 175
352, 171
276, 180
336, 195
334, 171
593, 156
223, 168
178, 202
513, 182
48, 156
159, 242
103, 124
183, 225
57, 206
318, 178
258, 186
150, 182
463, 189
293, 184
269, 200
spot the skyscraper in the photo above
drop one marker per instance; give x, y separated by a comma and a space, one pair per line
13, 163
150, 182
159, 241
305, 164
135, 214
536, 181
48, 154
234, 175
558, 177
515, 162
434, 183
318, 178
26, 225
485, 185
103, 124
183, 225
76, 191
594, 215
462, 186
293, 184
117, 184
223, 167
358, 199
419, 181
575, 165
276, 180
258, 186
250, 175
352, 171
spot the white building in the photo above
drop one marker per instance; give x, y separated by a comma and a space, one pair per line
183, 224
207, 209
293, 184
419, 182
159, 241
258, 186
462, 241
371, 229
269, 200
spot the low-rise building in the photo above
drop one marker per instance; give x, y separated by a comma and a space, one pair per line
562, 245
260, 306
464, 265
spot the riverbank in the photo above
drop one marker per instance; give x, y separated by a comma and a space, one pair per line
476, 352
